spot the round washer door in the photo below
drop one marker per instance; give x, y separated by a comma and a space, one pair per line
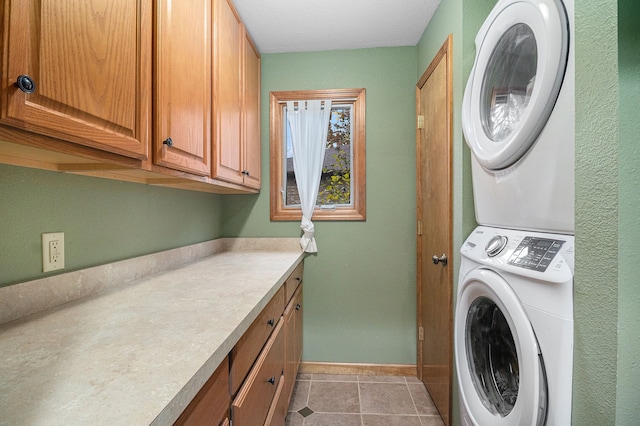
500, 373
521, 57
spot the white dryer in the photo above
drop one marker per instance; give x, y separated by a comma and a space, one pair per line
518, 116
513, 328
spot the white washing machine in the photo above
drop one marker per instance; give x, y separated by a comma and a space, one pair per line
518, 116
513, 328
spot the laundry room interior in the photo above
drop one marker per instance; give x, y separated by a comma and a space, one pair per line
360, 287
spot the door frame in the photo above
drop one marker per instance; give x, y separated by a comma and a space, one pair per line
444, 53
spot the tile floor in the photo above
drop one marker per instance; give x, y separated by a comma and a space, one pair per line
346, 400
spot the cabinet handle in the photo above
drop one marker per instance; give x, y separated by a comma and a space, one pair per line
26, 84
168, 142
271, 322
272, 380
298, 307
298, 279
246, 172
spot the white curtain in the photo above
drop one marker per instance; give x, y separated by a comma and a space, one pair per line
308, 124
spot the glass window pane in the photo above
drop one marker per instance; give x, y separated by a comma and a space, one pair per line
492, 356
335, 184
508, 82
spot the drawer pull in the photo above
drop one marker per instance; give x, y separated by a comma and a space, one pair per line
298, 279
272, 380
298, 307
271, 322
26, 84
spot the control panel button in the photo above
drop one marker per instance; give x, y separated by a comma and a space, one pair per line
535, 253
495, 245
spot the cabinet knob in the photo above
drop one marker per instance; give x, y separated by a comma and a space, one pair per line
271, 322
298, 307
26, 84
298, 279
272, 380
168, 142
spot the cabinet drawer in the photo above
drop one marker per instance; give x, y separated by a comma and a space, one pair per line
250, 344
256, 396
279, 406
211, 404
293, 281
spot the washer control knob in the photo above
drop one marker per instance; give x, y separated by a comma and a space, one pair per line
495, 245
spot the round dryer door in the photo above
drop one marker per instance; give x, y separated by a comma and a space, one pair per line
521, 56
500, 370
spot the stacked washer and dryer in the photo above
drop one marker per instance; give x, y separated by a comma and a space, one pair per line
514, 312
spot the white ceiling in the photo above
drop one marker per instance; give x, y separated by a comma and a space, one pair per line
309, 25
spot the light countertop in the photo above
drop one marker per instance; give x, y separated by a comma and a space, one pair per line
138, 352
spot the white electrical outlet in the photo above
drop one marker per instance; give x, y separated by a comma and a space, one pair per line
52, 251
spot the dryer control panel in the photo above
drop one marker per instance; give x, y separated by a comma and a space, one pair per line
535, 253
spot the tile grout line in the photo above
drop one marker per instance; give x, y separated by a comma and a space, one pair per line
359, 401
412, 400
306, 404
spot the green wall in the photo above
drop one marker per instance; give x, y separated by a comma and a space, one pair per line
103, 220
628, 394
360, 287
596, 278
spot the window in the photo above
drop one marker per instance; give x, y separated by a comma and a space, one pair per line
342, 188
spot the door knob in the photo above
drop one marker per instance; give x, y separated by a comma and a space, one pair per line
442, 259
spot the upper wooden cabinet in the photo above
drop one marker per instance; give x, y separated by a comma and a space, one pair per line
89, 65
159, 92
251, 114
182, 138
236, 95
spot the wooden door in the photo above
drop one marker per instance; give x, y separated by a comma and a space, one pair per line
228, 93
182, 139
89, 62
251, 110
434, 205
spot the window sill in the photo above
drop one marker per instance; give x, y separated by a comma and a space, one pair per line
337, 214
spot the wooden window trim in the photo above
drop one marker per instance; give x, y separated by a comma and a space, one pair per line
356, 97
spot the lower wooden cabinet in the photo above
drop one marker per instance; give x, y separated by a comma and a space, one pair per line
247, 350
253, 402
293, 341
211, 404
254, 384
278, 411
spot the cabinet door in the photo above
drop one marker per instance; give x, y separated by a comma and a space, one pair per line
90, 64
182, 139
290, 350
293, 341
298, 307
227, 93
251, 109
